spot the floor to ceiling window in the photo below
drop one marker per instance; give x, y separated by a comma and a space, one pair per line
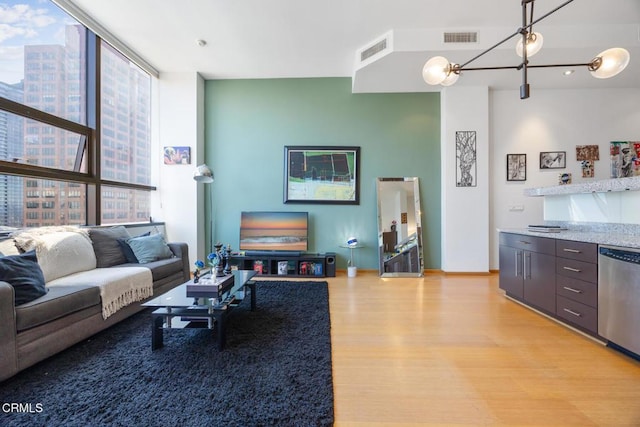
75, 126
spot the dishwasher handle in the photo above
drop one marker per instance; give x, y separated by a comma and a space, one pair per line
620, 254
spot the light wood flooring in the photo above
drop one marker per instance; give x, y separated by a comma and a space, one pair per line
452, 350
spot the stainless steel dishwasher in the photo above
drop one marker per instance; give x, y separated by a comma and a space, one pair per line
619, 296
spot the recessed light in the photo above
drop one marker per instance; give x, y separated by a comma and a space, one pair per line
567, 72
201, 43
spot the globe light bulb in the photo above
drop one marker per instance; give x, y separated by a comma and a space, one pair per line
436, 70
534, 44
609, 63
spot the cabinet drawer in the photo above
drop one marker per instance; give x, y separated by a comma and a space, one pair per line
577, 290
581, 251
578, 314
529, 243
577, 269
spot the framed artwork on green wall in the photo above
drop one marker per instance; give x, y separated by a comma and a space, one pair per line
321, 174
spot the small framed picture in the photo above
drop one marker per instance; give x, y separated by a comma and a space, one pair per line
553, 160
177, 155
516, 167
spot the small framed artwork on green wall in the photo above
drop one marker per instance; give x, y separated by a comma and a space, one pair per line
321, 174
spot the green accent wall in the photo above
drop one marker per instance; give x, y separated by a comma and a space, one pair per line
248, 123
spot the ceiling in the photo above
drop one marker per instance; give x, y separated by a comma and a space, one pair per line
311, 38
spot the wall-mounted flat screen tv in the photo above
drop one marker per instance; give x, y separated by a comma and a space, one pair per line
274, 231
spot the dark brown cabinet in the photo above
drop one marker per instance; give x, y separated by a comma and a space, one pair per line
558, 277
577, 284
528, 270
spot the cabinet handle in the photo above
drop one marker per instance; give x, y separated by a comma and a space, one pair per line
524, 242
527, 259
575, 251
577, 291
517, 254
572, 312
575, 270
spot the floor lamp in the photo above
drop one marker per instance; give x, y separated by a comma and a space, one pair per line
204, 174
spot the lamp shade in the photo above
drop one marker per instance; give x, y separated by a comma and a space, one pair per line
609, 63
436, 70
534, 44
203, 174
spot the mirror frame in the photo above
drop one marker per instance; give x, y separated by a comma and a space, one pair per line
413, 241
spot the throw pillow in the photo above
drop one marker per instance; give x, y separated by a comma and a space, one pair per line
149, 248
106, 247
64, 253
24, 274
126, 249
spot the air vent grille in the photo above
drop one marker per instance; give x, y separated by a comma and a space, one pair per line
376, 48
464, 37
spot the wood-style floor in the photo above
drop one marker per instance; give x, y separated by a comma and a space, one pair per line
452, 350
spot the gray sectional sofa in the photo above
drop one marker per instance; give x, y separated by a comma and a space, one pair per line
73, 307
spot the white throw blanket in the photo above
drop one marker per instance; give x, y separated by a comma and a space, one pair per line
119, 286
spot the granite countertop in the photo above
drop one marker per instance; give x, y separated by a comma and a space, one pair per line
602, 238
601, 186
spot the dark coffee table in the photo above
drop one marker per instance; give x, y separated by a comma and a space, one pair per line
179, 309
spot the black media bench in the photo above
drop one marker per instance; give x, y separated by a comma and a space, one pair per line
283, 264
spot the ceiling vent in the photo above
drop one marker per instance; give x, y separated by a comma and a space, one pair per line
461, 37
373, 50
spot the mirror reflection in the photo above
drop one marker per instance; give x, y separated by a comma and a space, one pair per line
399, 227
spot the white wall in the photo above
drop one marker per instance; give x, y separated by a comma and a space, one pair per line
179, 202
465, 210
551, 120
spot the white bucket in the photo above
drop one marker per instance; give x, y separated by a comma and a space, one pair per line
352, 271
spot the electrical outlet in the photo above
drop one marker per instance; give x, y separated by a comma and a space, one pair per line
516, 208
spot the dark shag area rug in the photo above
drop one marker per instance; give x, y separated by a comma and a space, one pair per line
274, 371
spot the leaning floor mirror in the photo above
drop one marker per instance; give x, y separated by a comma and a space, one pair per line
399, 227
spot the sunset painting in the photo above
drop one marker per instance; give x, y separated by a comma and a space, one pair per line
277, 231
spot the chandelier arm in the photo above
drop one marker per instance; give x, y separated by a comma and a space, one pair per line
506, 67
518, 31
517, 67
559, 65
531, 17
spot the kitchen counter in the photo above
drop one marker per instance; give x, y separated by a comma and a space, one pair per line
602, 238
600, 186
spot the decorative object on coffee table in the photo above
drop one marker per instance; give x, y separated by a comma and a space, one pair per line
227, 260
220, 261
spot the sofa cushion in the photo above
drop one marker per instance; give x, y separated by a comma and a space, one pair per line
162, 268
106, 247
24, 274
58, 302
126, 249
149, 248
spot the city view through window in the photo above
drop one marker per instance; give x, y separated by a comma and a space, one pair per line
45, 65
